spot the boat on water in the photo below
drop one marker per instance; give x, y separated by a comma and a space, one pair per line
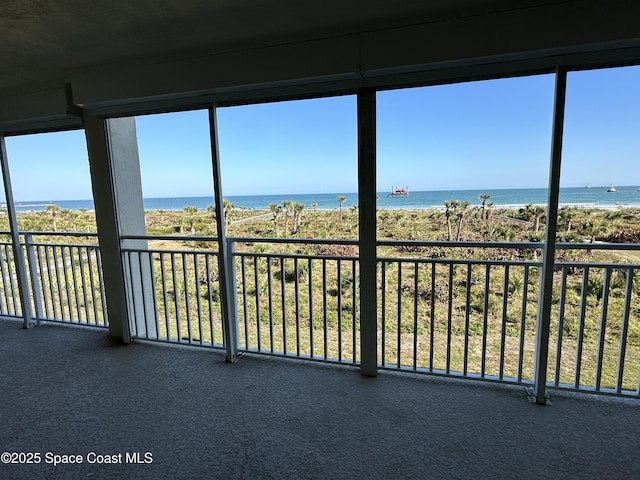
611, 189
399, 192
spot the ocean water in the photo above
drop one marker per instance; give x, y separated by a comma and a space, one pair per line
626, 196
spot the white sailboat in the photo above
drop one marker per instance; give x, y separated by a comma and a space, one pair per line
611, 189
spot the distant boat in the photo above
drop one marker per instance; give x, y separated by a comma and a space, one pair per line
399, 192
587, 186
611, 189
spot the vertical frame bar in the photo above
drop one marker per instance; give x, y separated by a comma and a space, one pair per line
226, 264
367, 236
18, 258
549, 249
33, 273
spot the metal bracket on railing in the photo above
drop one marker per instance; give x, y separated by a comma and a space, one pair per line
531, 395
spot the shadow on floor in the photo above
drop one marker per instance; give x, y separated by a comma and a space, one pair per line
71, 391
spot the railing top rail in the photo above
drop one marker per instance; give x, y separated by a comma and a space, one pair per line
317, 241
515, 245
456, 261
297, 255
598, 246
592, 265
194, 238
467, 244
53, 234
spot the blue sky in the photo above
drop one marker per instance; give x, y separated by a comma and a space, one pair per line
490, 134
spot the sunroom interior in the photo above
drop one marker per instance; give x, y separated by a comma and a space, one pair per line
83, 315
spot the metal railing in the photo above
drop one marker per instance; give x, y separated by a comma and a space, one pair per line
303, 303
471, 317
476, 317
173, 293
65, 279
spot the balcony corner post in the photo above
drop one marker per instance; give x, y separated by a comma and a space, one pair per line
33, 273
367, 236
543, 324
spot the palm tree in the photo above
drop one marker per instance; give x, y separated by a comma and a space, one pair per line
484, 197
536, 212
228, 207
288, 207
461, 212
54, 210
450, 208
297, 215
489, 212
594, 229
275, 210
567, 214
190, 211
314, 206
341, 199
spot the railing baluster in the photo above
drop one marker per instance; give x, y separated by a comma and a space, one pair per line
4, 300
165, 301
92, 285
101, 284
154, 294
339, 280
312, 352
245, 310
257, 282
42, 275
207, 263
185, 279
74, 276
603, 328
432, 318
175, 295
131, 296
283, 264
583, 312
85, 299
383, 313
523, 321
296, 272
503, 329
50, 275
324, 306
354, 312
196, 274
467, 313
485, 319
449, 318
59, 284
399, 318
66, 284
628, 291
12, 274
270, 293
415, 315
143, 295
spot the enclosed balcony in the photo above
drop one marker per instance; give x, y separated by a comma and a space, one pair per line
437, 329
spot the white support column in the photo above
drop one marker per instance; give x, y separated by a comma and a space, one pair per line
18, 257
117, 194
367, 232
226, 261
549, 248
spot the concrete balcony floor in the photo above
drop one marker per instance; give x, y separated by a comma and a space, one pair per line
73, 391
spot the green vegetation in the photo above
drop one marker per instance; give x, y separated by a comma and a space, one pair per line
303, 299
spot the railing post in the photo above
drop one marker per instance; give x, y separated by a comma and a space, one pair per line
231, 324
33, 273
549, 249
367, 236
226, 261
18, 258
